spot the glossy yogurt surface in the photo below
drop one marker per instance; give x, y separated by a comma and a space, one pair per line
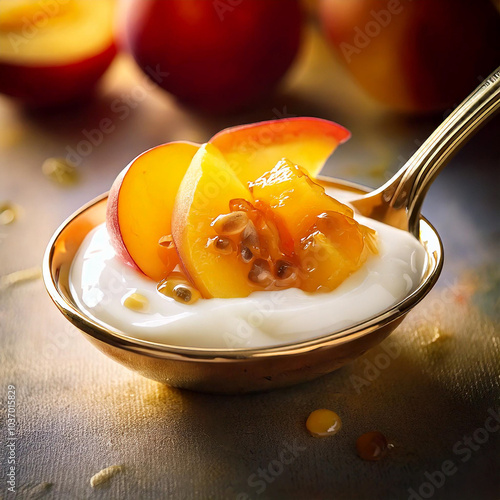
100, 282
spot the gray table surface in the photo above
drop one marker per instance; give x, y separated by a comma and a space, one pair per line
79, 412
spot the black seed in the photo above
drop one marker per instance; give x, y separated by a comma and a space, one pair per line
222, 243
283, 269
246, 254
260, 272
183, 293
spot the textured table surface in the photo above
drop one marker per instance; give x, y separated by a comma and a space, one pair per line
432, 387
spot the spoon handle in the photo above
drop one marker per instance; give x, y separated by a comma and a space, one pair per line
399, 200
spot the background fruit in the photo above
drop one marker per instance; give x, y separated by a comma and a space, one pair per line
215, 55
54, 52
415, 56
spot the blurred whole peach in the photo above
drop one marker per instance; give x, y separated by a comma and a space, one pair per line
215, 55
54, 51
415, 55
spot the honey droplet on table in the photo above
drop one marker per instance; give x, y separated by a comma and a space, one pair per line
438, 337
321, 423
60, 171
372, 446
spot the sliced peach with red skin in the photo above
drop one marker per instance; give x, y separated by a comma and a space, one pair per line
254, 149
204, 194
140, 206
165, 207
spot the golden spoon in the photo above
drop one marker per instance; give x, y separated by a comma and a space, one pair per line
399, 200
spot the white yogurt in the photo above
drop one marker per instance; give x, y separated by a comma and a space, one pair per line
99, 282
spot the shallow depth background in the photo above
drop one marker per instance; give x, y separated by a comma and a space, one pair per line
430, 388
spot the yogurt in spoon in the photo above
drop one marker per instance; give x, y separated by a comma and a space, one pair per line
100, 282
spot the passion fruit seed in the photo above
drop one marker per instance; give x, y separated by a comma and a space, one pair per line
286, 273
259, 244
229, 224
136, 302
372, 446
240, 204
246, 254
179, 289
321, 423
250, 237
261, 273
284, 269
182, 293
166, 241
221, 245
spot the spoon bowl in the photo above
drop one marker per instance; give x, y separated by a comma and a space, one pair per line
225, 371
243, 370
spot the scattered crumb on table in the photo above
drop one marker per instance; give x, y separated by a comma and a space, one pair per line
105, 475
33, 273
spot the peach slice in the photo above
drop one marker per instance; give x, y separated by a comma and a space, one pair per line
251, 150
140, 206
183, 204
205, 194
336, 247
